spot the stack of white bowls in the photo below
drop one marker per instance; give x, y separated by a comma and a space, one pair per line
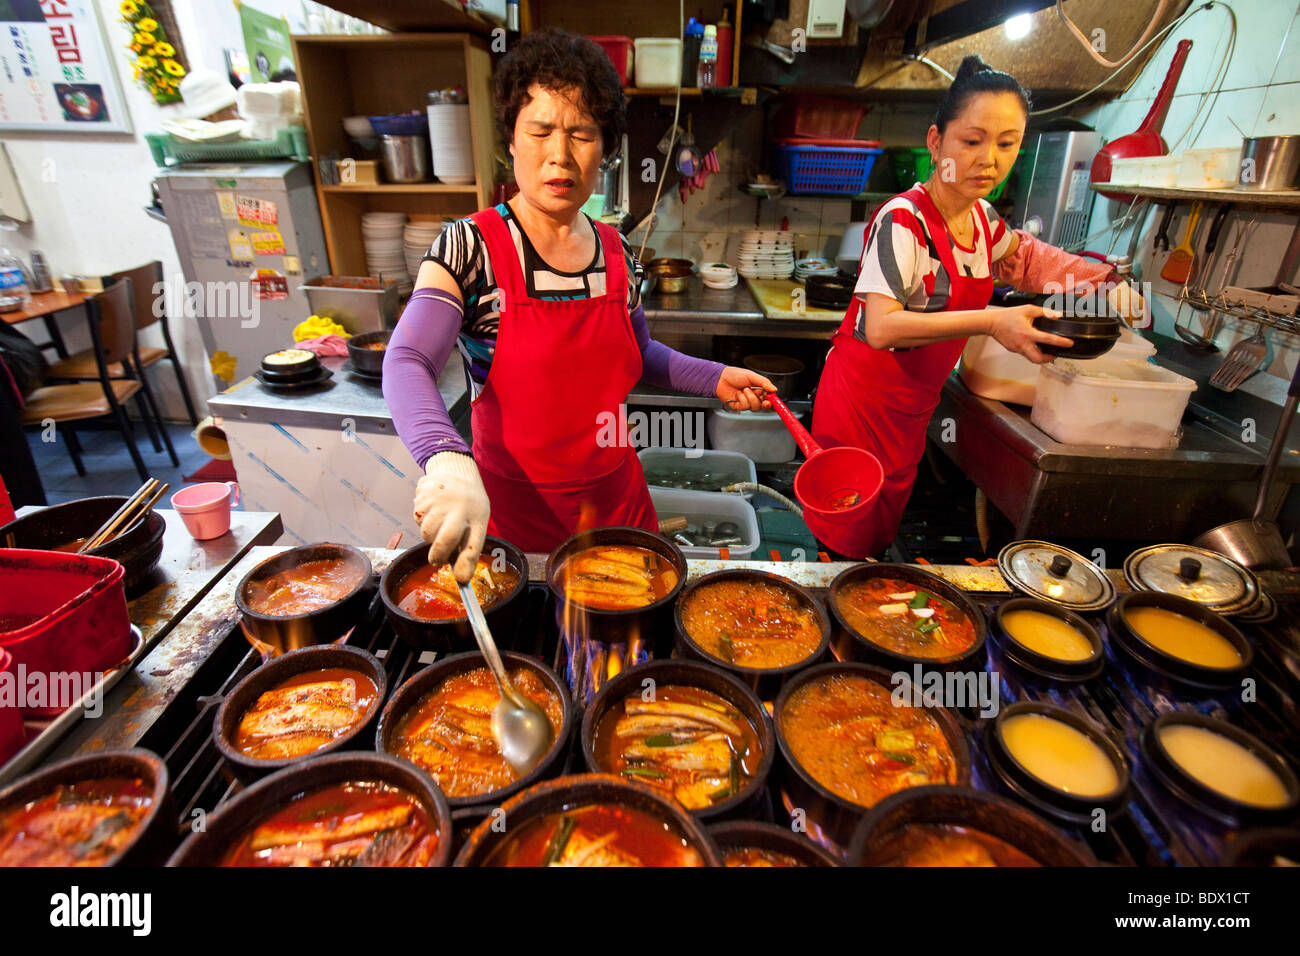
718, 275
814, 266
766, 254
450, 142
416, 240
381, 232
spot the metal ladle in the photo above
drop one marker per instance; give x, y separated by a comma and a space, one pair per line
522, 731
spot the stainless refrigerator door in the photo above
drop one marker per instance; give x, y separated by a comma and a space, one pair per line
245, 235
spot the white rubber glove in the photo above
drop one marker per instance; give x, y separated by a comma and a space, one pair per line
452, 509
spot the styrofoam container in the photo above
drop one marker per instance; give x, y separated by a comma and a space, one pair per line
1214, 168
1122, 402
760, 436
1158, 171
657, 61
700, 506
727, 466
991, 371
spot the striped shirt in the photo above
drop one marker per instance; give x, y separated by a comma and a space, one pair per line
461, 251
902, 260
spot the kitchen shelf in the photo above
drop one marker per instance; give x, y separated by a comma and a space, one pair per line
417, 188
345, 76
1286, 199
399, 16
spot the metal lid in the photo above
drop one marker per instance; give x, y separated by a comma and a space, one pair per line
1056, 574
1203, 576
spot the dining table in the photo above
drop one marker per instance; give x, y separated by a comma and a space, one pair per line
46, 306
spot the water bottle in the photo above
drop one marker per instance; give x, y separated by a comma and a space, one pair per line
708, 58
13, 281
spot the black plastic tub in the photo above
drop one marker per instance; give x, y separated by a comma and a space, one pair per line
1072, 808
409, 694
852, 645
206, 847
766, 682
653, 623
453, 633
1166, 665
966, 807
225, 723
691, 674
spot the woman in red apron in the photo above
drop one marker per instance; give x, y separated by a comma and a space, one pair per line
924, 285
539, 299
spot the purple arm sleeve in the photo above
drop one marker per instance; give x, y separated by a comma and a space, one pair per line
416, 353
668, 368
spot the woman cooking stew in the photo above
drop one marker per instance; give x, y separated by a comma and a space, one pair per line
927, 275
543, 304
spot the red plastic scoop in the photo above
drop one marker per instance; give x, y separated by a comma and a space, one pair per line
837, 484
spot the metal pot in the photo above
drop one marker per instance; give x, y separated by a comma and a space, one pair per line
1269, 162
1256, 542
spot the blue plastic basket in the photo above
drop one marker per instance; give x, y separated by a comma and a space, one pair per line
824, 170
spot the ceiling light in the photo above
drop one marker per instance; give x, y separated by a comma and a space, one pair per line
1018, 26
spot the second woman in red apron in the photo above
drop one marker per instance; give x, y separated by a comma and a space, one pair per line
926, 278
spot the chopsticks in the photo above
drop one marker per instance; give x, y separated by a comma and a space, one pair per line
138, 505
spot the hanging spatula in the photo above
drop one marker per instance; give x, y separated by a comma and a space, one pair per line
1179, 264
1241, 362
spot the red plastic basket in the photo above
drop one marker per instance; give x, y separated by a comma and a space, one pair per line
619, 50
71, 611
820, 117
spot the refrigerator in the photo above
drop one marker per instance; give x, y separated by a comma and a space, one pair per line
248, 235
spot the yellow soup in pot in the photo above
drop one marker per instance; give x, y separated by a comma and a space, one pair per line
1059, 755
1182, 637
1224, 765
1047, 634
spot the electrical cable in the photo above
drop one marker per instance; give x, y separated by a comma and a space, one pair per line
1092, 50
677, 106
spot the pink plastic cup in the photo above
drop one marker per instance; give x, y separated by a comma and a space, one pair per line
205, 508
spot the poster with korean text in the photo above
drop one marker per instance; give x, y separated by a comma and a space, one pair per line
55, 69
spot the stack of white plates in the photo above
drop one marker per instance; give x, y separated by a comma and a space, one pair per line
718, 275
381, 233
766, 254
416, 240
449, 139
814, 266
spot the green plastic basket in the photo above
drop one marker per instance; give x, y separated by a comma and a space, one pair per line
912, 165
289, 143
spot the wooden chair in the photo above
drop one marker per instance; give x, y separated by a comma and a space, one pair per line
112, 334
144, 280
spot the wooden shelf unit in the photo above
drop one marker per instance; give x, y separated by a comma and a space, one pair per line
373, 75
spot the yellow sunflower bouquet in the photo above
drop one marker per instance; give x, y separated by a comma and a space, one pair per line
156, 65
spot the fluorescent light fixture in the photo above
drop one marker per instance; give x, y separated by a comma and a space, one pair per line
1018, 26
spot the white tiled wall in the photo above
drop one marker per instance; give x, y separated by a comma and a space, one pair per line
1261, 94
701, 227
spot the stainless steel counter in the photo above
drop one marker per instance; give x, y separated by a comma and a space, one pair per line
346, 395
702, 311
1049, 489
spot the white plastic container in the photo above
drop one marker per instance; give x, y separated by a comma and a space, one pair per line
700, 506
1121, 402
1126, 170
726, 467
1158, 171
760, 436
991, 371
1214, 168
657, 61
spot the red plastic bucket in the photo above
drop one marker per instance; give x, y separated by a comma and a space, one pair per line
12, 734
838, 485
62, 614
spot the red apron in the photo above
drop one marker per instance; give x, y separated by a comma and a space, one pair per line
882, 400
558, 370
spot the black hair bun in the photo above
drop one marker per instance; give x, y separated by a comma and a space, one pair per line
971, 64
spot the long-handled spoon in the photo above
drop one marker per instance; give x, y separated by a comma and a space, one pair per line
522, 731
